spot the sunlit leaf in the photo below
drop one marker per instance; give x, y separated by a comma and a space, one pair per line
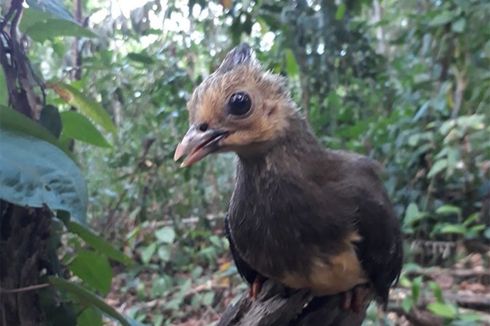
443, 309
291, 64
78, 127
52, 7
165, 234
453, 228
36, 173
448, 210
89, 107
340, 13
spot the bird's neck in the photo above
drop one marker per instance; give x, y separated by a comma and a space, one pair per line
289, 151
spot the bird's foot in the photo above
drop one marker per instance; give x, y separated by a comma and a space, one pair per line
356, 298
256, 287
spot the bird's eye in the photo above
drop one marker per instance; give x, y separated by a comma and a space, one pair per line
239, 104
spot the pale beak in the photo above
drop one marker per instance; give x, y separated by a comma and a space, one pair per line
197, 144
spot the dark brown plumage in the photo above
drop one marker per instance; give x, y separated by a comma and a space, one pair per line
305, 216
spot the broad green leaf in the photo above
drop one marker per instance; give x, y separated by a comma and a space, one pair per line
442, 18
412, 214
407, 304
19, 123
36, 173
459, 25
416, 284
88, 298
90, 317
453, 228
97, 243
487, 233
448, 210
89, 107
78, 127
443, 309
340, 13
439, 166
165, 234
148, 252
291, 64
437, 291
164, 253
50, 28
4, 96
52, 7
94, 269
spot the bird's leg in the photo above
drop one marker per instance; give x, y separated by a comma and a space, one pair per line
355, 299
256, 287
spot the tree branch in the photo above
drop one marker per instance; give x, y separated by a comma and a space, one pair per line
276, 306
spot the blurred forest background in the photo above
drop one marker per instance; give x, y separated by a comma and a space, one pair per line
404, 82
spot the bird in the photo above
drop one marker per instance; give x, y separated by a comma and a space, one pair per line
302, 215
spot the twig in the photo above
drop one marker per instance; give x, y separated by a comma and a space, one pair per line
24, 289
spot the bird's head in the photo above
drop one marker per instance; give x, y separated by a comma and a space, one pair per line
240, 108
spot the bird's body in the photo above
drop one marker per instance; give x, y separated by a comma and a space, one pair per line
300, 214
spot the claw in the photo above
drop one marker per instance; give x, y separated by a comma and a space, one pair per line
356, 298
256, 287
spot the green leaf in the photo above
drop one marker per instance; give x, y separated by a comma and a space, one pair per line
340, 13
54, 8
19, 123
94, 269
291, 64
164, 253
97, 243
448, 210
4, 95
453, 228
459, 25
50, 28
90, 317
89, 107
407, 304
487, 233
442, 18
78, 127
88, 298
416, 284
148, 252
165, 234
437, 291
439, 166
443, 309
412, 214
36, 173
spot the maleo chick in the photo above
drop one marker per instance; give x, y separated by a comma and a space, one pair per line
300, 214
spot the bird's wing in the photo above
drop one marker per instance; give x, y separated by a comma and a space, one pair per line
380, 246
245, 271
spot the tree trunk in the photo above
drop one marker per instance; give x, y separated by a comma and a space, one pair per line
24, 236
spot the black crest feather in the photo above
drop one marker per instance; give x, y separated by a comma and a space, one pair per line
240, 55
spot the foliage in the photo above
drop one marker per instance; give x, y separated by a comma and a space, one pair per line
404, 82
